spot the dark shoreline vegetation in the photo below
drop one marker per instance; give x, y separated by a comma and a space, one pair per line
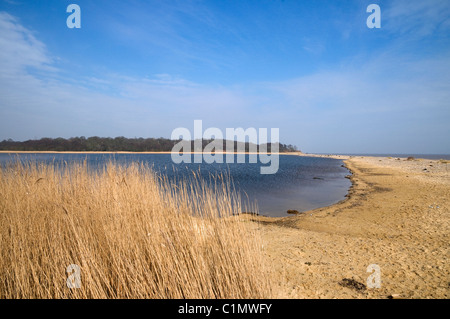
123, 144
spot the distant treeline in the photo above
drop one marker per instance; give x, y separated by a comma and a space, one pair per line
108, 144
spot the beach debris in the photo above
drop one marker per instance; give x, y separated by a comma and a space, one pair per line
65, 210
410, 158
293, 211
352, 283
395, 296
308, 263
250, 213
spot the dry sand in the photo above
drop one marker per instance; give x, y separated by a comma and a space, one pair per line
396, 216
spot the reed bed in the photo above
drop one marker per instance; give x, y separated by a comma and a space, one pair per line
131, 232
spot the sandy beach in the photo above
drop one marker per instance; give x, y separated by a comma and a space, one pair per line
396, 216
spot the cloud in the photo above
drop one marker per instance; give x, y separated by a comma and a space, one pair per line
417, 19
12, 2
20, 48
313, 46
35, 102
383, 105
386, 104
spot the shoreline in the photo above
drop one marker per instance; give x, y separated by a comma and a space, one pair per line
129, 152
396, 215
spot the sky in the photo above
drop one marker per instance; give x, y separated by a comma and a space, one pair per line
311, 68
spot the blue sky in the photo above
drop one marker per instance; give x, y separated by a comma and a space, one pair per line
313, 69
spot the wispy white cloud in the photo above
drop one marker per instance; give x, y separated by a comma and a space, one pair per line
313, 46
20, 48
189, 31
43, 105
12, 2
417, 19
387, 104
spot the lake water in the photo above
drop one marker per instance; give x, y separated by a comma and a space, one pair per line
301, 183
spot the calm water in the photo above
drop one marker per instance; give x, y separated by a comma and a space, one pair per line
301, 183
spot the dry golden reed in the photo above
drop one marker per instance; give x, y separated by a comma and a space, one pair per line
132, 233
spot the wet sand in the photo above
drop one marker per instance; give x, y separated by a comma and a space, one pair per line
396, 216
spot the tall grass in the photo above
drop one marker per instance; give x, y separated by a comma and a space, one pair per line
132, 233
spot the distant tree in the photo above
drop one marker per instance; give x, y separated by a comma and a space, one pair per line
95, 143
